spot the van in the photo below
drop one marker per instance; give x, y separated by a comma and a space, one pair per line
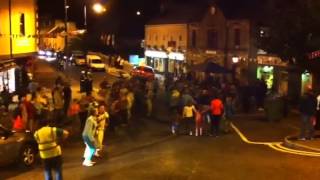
95, 62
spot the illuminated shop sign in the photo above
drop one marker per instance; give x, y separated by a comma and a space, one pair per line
176, 56
156, 54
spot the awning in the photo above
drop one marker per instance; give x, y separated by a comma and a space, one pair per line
210, 67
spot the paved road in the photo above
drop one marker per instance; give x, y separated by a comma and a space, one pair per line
148, 152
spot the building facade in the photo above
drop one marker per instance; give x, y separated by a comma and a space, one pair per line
52, 34
200, 32
18, 38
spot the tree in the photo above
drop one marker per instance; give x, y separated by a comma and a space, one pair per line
294, 31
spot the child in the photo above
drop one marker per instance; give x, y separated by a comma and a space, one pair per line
199, 118
188, 116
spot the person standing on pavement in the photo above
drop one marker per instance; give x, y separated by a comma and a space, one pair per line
88, 136
83, 80
57, 97
50, 152
67, 95
308, 106
216, 115
188, 115
317, 127
102, 119
89, 83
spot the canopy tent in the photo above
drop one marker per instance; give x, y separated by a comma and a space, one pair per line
210, 67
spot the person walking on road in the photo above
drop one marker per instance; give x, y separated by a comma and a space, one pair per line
188, 117
308, 106
58, 102
67, 96
103, 116
50, 152
88, 136
216, 114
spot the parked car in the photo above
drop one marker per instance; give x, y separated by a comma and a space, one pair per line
119, 73
145, 72
17, 147
78, 58
95, 62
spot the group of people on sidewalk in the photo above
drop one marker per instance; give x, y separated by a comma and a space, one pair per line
310, 114
201, 109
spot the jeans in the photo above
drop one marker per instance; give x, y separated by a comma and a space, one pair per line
307, 129
55, 164
90, 149
215, 124
189, 124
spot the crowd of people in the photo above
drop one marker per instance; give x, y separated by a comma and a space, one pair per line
201, 108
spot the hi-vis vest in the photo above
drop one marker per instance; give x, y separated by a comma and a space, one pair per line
46, 138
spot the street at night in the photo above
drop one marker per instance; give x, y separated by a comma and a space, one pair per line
159, 90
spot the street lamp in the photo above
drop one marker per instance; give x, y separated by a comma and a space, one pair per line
98, 8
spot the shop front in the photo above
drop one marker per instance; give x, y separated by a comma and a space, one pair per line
157, 59
274, 72
8, 76
176, 63
164, 62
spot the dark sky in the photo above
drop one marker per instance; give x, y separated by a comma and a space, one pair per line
120, 15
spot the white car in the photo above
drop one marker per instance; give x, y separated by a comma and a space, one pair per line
95, 62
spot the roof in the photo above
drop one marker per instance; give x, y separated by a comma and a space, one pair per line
181, 13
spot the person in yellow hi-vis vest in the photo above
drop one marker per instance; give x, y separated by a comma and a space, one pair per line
50, 152
102, 123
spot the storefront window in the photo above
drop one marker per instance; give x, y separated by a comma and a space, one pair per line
267, 74
7, 79
159, 64
306, 80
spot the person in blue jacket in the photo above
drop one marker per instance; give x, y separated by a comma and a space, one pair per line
88, 136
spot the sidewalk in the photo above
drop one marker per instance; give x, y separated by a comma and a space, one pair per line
287, 130
311, 145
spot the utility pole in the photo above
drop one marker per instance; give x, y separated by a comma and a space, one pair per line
66, 25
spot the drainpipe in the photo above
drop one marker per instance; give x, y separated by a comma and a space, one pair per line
10, 28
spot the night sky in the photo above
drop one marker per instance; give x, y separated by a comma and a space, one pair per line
121, 14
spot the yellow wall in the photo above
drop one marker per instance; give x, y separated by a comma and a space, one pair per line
21, 45
160, 35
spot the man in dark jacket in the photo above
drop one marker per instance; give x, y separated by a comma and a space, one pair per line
308, 107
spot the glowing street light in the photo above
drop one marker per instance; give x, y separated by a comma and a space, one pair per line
138, 13
98, 8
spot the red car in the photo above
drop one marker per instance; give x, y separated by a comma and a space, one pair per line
145, 72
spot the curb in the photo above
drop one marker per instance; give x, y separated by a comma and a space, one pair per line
288, 141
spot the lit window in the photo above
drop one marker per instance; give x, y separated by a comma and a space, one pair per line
22, 24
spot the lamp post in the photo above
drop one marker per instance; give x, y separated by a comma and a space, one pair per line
66, 25
97, 8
